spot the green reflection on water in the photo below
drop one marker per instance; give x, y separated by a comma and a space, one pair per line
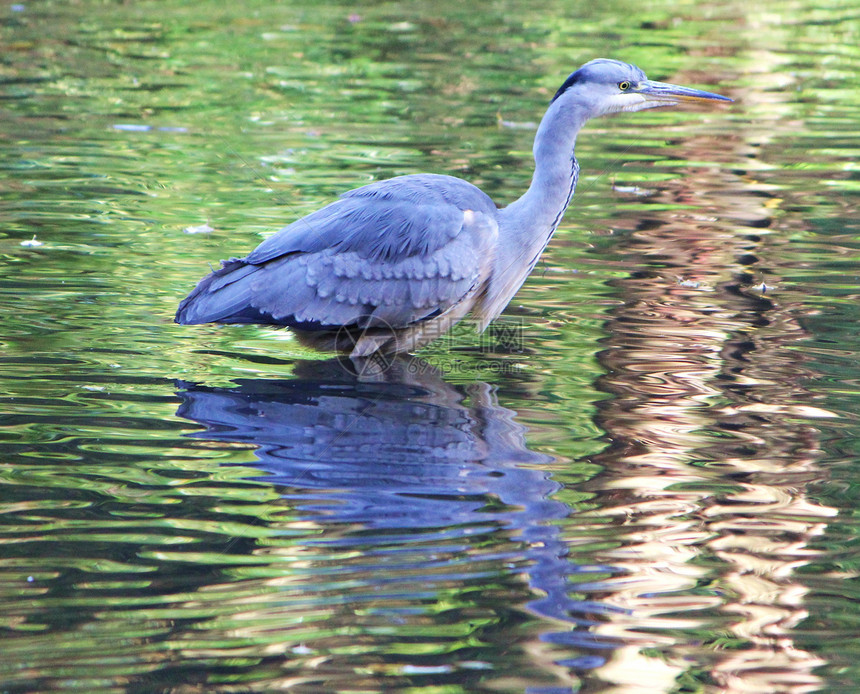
126, 125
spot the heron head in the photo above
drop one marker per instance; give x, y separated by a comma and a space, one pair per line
605, 86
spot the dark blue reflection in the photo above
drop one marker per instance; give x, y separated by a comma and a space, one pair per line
406, 457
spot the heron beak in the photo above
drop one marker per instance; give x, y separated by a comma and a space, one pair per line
663, 94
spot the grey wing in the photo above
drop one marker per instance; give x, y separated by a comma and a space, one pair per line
392, 253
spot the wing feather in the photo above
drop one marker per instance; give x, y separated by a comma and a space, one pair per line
398, 251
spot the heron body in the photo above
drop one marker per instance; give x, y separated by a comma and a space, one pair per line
394, 264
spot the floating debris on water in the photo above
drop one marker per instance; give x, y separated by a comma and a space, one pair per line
143, 128
689, 284
515, 125
634, 190
199, 229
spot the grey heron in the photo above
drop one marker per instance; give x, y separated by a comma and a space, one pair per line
392, 265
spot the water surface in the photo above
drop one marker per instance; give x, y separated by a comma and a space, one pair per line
644, 481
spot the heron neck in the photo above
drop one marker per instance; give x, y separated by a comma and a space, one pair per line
533, 218
526, 225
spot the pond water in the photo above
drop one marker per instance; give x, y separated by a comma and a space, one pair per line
644, 480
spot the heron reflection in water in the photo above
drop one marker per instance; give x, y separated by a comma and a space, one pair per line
404, 478
393, 265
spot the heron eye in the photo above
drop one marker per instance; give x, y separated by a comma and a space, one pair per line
624, 86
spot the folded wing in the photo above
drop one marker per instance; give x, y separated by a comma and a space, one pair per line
392, 253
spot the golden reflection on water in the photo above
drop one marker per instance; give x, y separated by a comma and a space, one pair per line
704, 489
